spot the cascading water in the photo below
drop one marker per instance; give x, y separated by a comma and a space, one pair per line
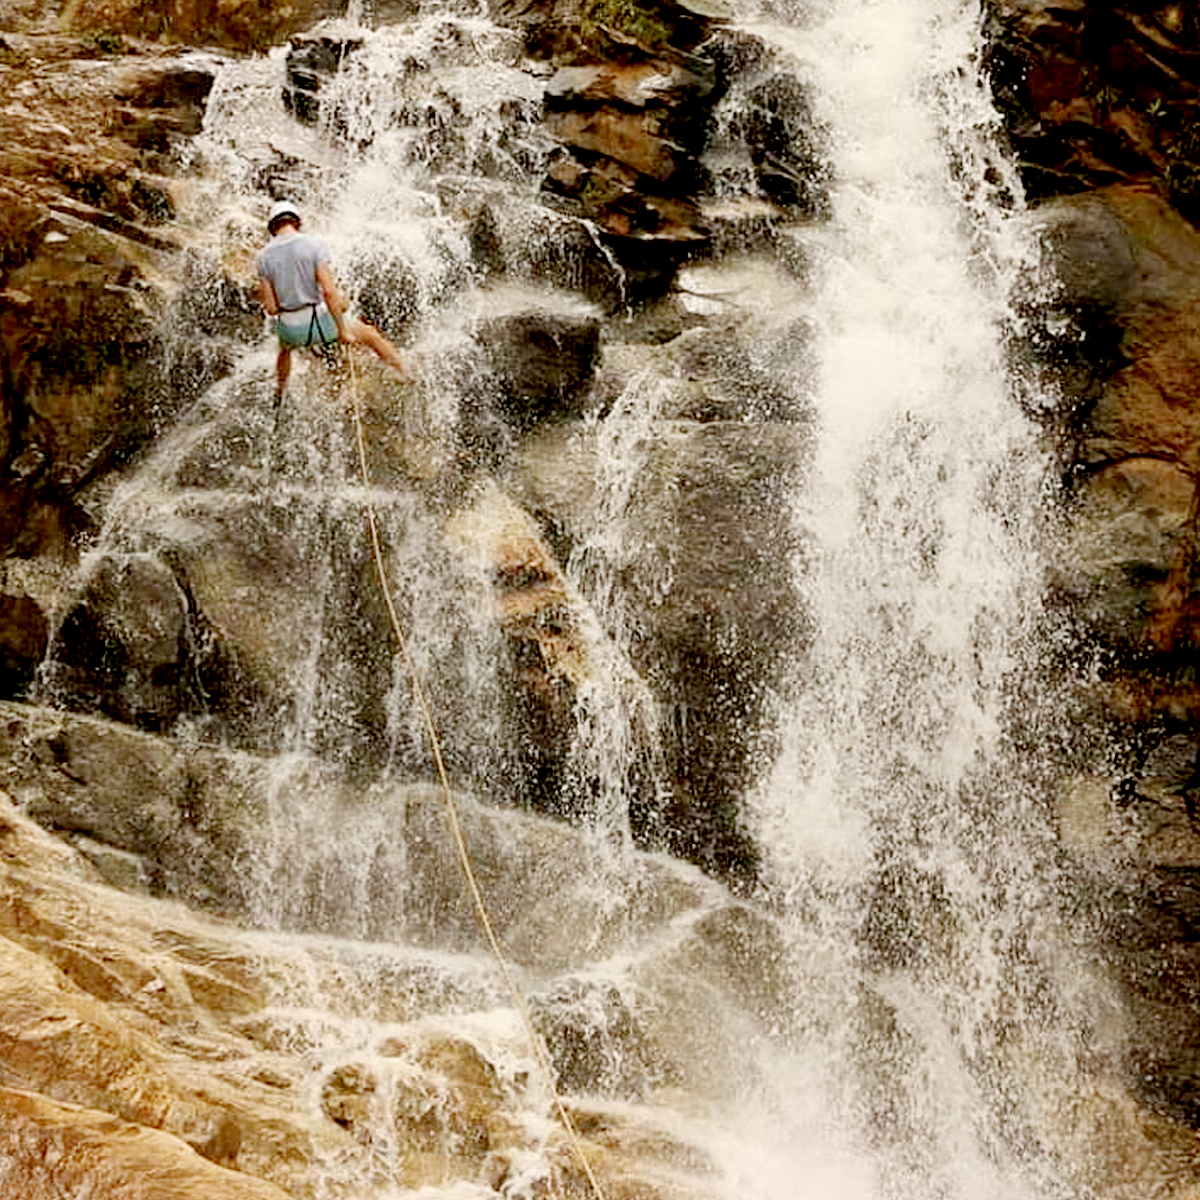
906, 823
870, 1028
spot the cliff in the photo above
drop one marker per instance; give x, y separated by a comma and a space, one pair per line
180, 560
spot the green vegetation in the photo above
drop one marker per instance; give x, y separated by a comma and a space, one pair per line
627, 17
105, 41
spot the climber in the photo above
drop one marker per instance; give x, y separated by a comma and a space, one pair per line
297, 289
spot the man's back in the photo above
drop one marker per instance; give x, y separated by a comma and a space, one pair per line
290, 262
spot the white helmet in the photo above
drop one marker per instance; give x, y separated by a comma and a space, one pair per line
282, 208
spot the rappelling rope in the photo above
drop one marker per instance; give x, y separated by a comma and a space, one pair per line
460, 844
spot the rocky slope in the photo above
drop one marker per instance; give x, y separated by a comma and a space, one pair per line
1098, 103
152, 1053
143, 1042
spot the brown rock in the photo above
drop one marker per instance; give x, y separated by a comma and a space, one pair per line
637, 139
23, 634
86, 264
1127, 258
51, 1149
610, 194
633, 84
1094, 94
1150, 407
244, 25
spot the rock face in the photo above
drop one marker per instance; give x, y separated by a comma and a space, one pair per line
158, 1054
90, 135
207, 616
1094, 94
594, 558
1096, 101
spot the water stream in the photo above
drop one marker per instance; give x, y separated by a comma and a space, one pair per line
895, 984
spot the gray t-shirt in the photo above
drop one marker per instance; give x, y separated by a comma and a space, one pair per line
289, 261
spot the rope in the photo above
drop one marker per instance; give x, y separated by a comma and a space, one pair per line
464, 858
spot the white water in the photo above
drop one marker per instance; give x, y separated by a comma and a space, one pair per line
909, 844
906, 849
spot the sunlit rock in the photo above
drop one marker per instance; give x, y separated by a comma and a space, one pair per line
52, 1149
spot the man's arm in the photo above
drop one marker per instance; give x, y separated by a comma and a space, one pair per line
334, 300
266, 294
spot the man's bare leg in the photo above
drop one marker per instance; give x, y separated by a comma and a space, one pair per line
283, 368
374, 341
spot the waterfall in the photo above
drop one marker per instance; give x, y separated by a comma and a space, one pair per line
906, 822
876, 1022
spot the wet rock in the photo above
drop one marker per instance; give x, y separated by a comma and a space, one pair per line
636, 84
763, 128
1127, 533
86, 141
111, 1001
252, 25
640, 141
348, 1098
542, 364
24, 632
706, 511
312, 59
191, 815
1093, 94
446, 1097
556, 647
1129, 268
594, 1041
248, 572
74, 327
574, 30
124, 647
629, 102
539, 246
53, 1149
609, 193
62, 1042
124, 871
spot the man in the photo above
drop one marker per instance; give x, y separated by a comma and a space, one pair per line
297, 288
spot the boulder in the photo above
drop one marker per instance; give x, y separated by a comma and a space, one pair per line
123, 648
24, 632
1127, 534
707, 511
51, 1149
541, 364
1128, 272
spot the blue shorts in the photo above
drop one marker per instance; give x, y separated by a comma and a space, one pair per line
312, 326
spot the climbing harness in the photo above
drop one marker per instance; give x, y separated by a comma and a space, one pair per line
464, 857
320, 336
